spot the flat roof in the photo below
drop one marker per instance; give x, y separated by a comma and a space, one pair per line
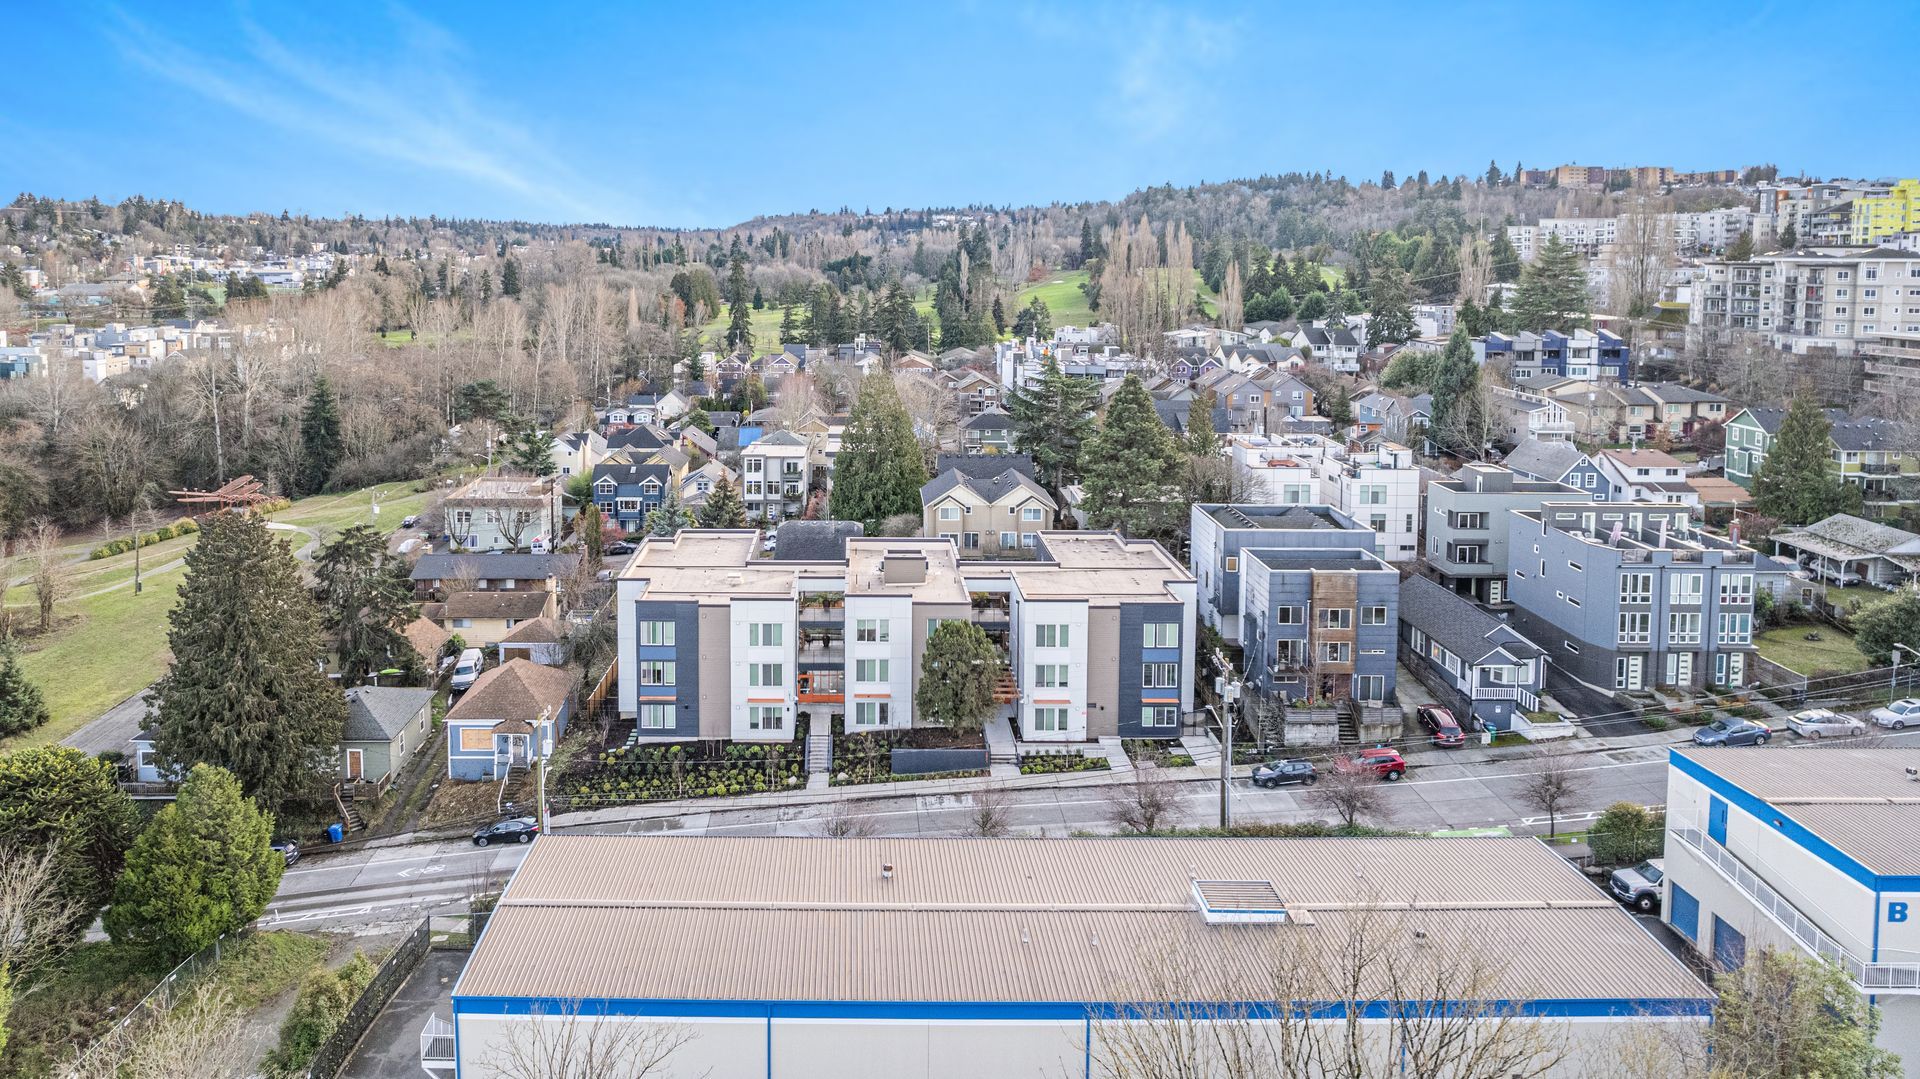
769, 918
1859, 800
1309, 558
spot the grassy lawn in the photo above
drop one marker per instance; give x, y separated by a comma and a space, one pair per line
1061, 293
1788, 646
1854, 597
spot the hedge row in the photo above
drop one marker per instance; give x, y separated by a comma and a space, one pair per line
185, 526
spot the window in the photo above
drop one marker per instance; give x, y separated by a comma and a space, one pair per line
1736, 629
766, 717
1288, 616
656, 633
1050, 636
1049, 719
1571, 647
1378, 522
869, 670
1373, 616
753, 466
1050, 676
1371, 687
1736, 588
1683, 628
1336, 652
871, 713
656, 672
1159, 715
1574, 566
1009, 539
1684, 587
1371, 494
870, 630
764, 634
949, 513
463, 623
970, 541
1030, 513
1160, 635
1336, 618
1159, 676
1636, 627
1636, 588
1470, 520
1233, 564
765, 674
656, 716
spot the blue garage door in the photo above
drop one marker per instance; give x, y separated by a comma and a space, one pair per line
1729, 945
1717, 820
1684, 912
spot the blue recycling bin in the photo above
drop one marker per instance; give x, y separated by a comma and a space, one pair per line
335, 833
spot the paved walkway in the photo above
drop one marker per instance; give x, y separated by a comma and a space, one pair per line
113, 730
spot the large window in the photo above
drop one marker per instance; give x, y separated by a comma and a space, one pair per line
764, 633
1030, 513
869, 670
871, 630
1736, 629
1288, 616
1684, 587
949, 513
1636, 588
1336, 652
1373, 616
656, 672
1160, 635
1159, 676
1736, 588
1159, 715
766, 717
656, 633
1050, 635
1050, 676
655, 717
1683, 627
1336, 618
1371, 687
871, 713
1636, 627
765, 674
1049, 719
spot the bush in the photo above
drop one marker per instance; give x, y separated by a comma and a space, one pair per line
1626, 834
323, 1003
1050, 763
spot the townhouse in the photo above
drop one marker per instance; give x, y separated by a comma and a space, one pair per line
1378, 487
1466, 533
1221, 535
1583, 355
1096, 633
776, 474
626, 493
989, 505
1824, 297
1637, 412
1883, 214
578, 451
1320, 625
1627, 595
1870, 453
987, 431
1803, 852
1486, 671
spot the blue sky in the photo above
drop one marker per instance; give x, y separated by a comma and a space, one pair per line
705, 114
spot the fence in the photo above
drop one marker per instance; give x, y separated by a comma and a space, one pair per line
445, 931
152, 1008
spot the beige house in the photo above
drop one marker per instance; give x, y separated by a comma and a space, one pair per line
988, 505
486, 618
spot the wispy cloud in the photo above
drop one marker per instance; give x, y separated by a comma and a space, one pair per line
1162, 64
420, 111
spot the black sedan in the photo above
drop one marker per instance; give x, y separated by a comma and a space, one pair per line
618, 547
1279, 773
515, 830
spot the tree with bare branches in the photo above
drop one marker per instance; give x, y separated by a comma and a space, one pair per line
842, 821
38, 913
567, 1043
48, 568
990, 816
1351, 794
1142, 804
1550, 787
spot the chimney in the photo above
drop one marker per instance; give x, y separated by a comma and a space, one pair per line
903, 567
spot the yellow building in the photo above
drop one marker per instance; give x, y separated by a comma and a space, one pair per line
1879, 216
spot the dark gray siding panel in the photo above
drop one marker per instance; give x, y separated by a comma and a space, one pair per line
685, 653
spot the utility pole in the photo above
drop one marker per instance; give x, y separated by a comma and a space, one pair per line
1229, 687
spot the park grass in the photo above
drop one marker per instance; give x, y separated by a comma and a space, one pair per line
1067, 303
1788, 646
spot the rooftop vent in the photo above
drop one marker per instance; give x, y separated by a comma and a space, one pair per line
904, 567
1239, 902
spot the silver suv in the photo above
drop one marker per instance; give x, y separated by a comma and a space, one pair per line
1638, 886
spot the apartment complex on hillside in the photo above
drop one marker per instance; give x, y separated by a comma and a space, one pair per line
1831, 297
1583, 355
1096, 632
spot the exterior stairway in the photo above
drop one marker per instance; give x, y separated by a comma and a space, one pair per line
1349, 723
819, 752
516, 789
350, 819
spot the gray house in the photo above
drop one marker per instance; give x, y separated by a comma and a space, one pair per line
1220, 532
1557, 462
1320, 624
1477, 664
1467, 525
385, 725
1628, 595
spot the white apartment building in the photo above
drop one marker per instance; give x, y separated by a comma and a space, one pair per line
1096, 633
1808, 851
1687, 233
1586, 235
1377, 488
775, 474
1831, 297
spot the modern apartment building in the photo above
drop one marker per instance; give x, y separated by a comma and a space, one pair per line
1889, 213
1893, 371
1320, 624
1222, 534
1467, 525
1629, 595
775, 475
1873, 454
1832, 297
1096, 631
1378, 488
1583, 355
1803, 852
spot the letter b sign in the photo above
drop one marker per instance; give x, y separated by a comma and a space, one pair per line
1896, 912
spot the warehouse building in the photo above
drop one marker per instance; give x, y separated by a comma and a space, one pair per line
938, 958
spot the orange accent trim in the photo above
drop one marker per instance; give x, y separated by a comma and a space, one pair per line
874, 696
1040, 700
657, 698
766, 700
1159, 700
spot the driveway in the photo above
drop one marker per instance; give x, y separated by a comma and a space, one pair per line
113, 730
1582, 701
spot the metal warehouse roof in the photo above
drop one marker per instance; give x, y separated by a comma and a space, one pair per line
1057, 920
1859, 800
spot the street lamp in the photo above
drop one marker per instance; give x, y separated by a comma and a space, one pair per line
1893, 681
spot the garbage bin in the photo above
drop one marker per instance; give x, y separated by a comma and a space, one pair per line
335, 833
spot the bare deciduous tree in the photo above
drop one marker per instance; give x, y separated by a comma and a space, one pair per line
844, 822
37, 919
1142, 804
1550, 787
48, 568
195, 1038
1351, 794
991, 814
564, 1043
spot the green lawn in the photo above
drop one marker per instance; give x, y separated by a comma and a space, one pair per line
1855, 596
1788, 646
1068, 304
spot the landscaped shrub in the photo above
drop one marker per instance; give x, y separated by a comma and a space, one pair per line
643, 772
1049, 763
324, 1000
185, 526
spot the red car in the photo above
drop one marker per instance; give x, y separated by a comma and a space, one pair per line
1440, 723
1388, 764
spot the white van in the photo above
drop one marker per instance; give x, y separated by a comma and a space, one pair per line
467, 669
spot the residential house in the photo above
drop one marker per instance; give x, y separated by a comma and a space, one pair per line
1466, 533
1378, 487
1096, 633
496, 570
385, 725
1556, 461
990, 506
504, 513
1606, 412
1245, 403
677, 402
814, 541
1847, 550
578, 452
915, 362
626, 493
1583, 355
776, 476
990, 431
1642, 475
1319, 624
482, 619
635, 443
1479, 666
542, 640
1630, 595
514, 715
699, 483
1222, 534
977, 391
1338, 349
1519, 416
1872, 454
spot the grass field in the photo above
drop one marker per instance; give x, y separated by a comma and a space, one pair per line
1068, 304
1788, 646
1855, 597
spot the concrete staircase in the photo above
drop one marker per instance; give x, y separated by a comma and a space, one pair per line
819, 752
516, 789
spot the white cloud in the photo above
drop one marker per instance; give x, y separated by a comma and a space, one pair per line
1163, 65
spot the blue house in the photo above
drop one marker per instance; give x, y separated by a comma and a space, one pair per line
1583, 355
514, 715
626, 493
1478, 665
1320, 624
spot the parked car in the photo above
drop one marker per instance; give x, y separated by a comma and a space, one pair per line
1897, 715
411, 520
1440, 723
770, 543
1638, 886
513, 830
467, 669
289, 850
1732, 732
617, 547
1279, 773
1388, 764
1819, 723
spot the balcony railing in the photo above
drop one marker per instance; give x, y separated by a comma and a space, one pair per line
1867, 975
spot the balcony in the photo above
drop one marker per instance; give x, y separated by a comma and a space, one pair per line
1869, 977
820, 687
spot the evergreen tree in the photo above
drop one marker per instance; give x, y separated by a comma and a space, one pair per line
789, 326
204, 867
1493, 174
510, 278
320, 443
591, 528
1503, 258
880, 469
22, 708
724, 508
1131, 467
366, 604
739, 309
1789, 237
670, 516
895, 320
999, 318
1390, 293
1741, 249
699, 420
759, 299
1796, 484
1884, 623
1202, 439
247, 691
1052, 422
60, 799
1034, 320
1457, 425
531, 451
958, 672
1553, 290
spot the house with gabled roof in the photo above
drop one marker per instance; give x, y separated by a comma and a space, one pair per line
513, 716
989, 505
1848, 550
1557, 462
990, 431
625, 493
1483, 669
385, 726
